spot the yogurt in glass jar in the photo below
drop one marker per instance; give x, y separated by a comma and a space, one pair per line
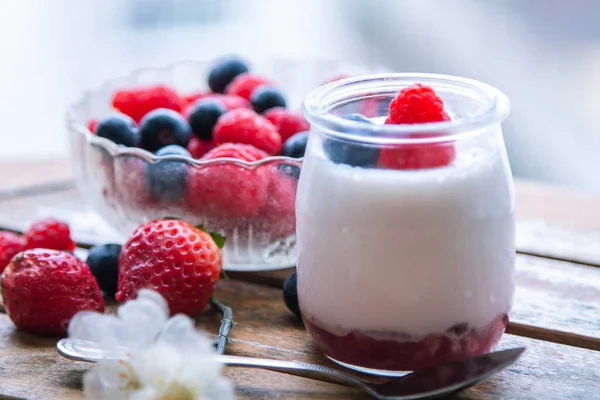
406, 265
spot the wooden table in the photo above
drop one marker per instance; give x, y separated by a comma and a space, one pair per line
556, 313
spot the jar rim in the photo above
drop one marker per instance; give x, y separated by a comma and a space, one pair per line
318, 104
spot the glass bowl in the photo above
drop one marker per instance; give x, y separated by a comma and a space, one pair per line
261, 232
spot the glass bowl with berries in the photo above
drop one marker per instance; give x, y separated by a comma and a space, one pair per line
217, 143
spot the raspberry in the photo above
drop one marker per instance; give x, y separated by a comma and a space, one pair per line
139, 101
198, 147
244, 84
92, 123
279, 211
43, 289
174, 258
418, 156
417, 104
247, 127
228, 190
286, 122
192, 98
49, 233
231, 101
10, 245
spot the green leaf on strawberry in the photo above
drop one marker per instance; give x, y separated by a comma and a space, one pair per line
216, 236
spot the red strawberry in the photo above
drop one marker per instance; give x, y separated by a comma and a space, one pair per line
10, 245
139, 101
198, 147
247, 127
417, 104
49, 233
286, 122
42, 290
174, 258
228, 190
244, 84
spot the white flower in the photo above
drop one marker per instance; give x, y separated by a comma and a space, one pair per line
168, 358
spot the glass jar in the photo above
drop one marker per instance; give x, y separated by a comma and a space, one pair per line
406, 233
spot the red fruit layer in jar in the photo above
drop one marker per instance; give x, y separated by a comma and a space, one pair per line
398, 352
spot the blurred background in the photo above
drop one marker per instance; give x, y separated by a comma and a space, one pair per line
545, 54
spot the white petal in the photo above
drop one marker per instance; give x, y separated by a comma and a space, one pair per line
158, 366
181, 333
105, 381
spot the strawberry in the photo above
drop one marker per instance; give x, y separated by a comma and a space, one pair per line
228, 190
10, 245
49, 233
181, 262
42, 290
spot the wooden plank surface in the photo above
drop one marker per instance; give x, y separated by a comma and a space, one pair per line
30, 367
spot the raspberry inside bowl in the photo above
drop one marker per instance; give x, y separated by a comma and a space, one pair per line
249, 200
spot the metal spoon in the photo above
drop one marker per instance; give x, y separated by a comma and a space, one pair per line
432, 382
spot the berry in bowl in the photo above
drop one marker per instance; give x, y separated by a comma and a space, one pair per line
217, 143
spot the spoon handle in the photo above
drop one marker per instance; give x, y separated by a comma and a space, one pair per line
305, 370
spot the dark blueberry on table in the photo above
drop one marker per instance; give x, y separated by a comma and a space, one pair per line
120, 129
103, 261
224, 71
166, 180
349, 152
292, 171
265, 97
162, 127
295, 146
204, 116
290, 294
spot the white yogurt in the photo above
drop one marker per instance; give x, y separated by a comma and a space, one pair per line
405, 251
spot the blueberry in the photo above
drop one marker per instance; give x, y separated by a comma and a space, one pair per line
352, 153
204, 116
224, 72
103, 261
166, 180
120, 129
265, 97
290, 294
356, 117
295, 146
162, 127
289, 170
